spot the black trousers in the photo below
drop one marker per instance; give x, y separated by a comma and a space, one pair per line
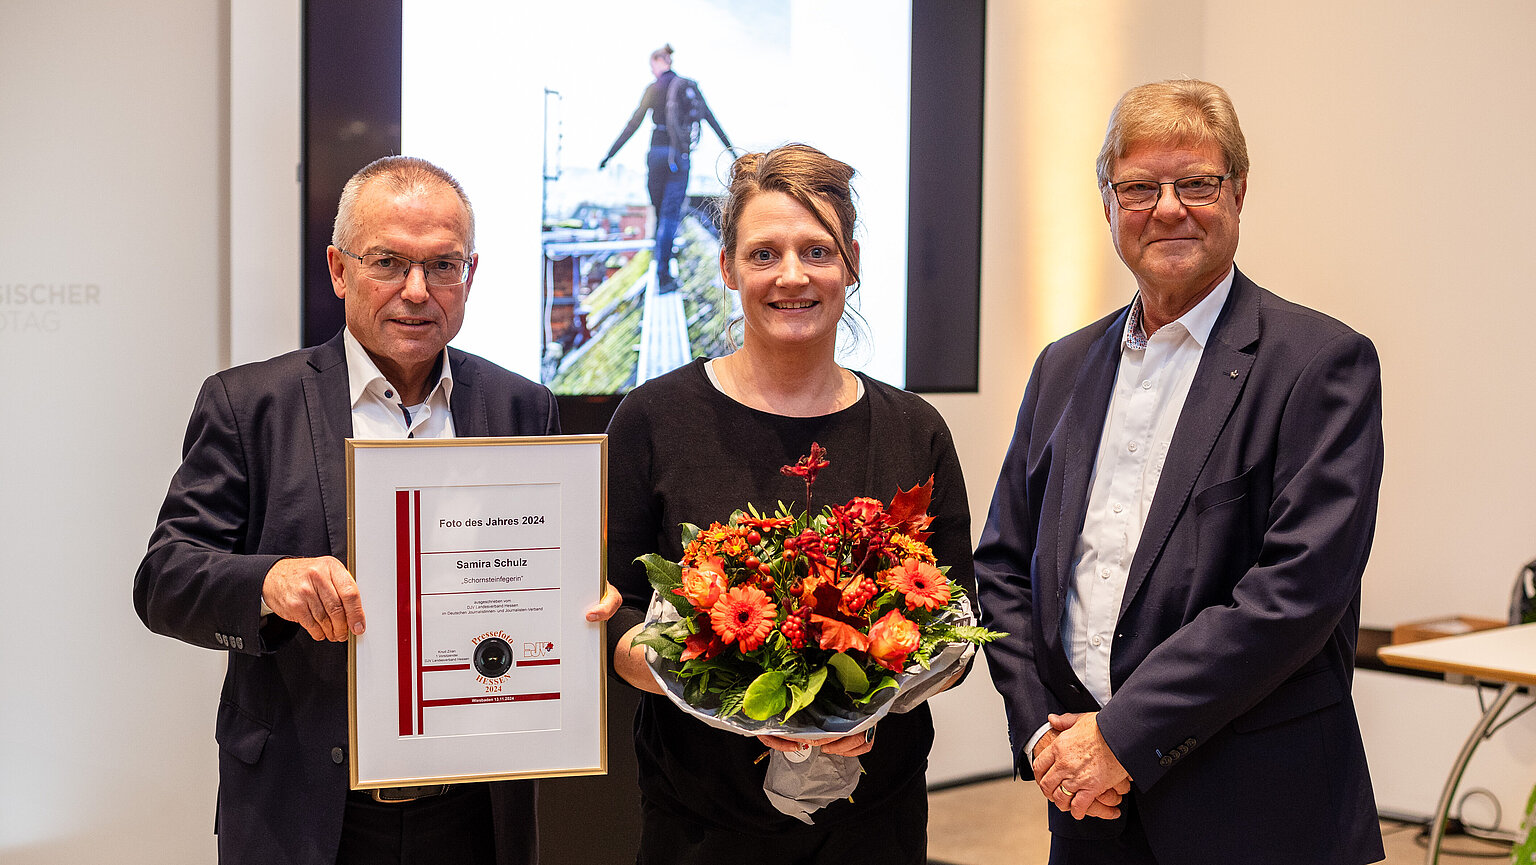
1128, 848
454, 827
896, 834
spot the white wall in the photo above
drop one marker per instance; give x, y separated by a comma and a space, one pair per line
1388, 139
113, 156
119, 141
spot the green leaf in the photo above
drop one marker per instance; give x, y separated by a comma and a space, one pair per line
663, 638
690, 531
850, 674
886, 681
664, 647
696, 689
975, 634
781, 653
922, 657
802, 696
665, 576
766, 696
731, 700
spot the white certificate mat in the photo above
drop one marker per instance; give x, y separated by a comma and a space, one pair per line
476, 559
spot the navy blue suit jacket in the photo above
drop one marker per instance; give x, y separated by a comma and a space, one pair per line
263, 476
1234, 650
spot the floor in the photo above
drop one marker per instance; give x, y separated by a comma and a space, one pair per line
995, 822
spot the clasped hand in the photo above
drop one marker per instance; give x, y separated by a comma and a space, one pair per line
842, 746
1077, 771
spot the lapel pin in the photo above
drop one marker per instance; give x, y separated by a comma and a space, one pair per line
1234, 373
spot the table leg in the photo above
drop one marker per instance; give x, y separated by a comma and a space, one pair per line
1437, 828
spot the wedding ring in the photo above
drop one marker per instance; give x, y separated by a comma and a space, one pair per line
1070, 793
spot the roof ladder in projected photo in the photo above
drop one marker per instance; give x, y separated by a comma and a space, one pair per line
663, 332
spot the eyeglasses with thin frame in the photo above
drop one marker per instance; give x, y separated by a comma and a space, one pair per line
1197, 190
387, 268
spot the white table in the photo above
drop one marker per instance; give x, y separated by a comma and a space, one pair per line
1506, 656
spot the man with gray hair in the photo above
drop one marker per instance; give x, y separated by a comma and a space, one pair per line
248, 554
1179, 531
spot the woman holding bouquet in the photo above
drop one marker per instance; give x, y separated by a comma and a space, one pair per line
705, 440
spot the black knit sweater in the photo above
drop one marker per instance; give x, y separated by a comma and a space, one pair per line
680, 451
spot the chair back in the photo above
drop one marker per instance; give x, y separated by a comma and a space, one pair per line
1522, 602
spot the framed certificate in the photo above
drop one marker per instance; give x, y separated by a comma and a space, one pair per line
476, 559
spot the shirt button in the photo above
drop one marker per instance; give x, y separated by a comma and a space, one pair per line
1146, 385
389, 394
1133, 446
1096, 640
338, 755
1104, 573
1117, 508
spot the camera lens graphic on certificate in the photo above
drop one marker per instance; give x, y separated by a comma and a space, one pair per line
484, 579
476, 559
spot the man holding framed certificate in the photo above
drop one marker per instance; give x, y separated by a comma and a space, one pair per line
247, 555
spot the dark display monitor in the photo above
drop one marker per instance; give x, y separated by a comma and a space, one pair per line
524, 101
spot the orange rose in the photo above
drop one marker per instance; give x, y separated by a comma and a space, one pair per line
702, 585
892, 639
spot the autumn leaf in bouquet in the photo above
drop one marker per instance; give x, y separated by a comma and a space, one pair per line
780, 613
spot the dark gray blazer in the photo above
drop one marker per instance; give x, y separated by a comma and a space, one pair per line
1234, 652
263, 476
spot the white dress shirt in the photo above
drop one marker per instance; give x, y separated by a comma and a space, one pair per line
378, 413
1151, 384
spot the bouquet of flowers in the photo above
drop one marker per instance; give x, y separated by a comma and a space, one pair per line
802, 624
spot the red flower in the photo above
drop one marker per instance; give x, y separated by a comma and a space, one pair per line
703, 644
892, 639
702, 585
861, 518
807, 466
863, 509
922, 584
744, 616
809, 544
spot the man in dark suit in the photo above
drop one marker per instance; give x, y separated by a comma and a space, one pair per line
248, 553
1179, 531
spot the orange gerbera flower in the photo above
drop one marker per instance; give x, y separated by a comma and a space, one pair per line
744, 616
922, 584
764, 523
892, 639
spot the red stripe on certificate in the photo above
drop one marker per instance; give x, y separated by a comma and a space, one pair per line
496, 550
490, 698
444, 668
403, 607
421, 723
542, 662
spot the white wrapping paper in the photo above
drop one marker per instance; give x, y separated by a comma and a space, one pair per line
799, 784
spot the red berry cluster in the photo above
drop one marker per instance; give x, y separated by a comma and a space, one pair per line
794, 626
858, 593
758, 570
